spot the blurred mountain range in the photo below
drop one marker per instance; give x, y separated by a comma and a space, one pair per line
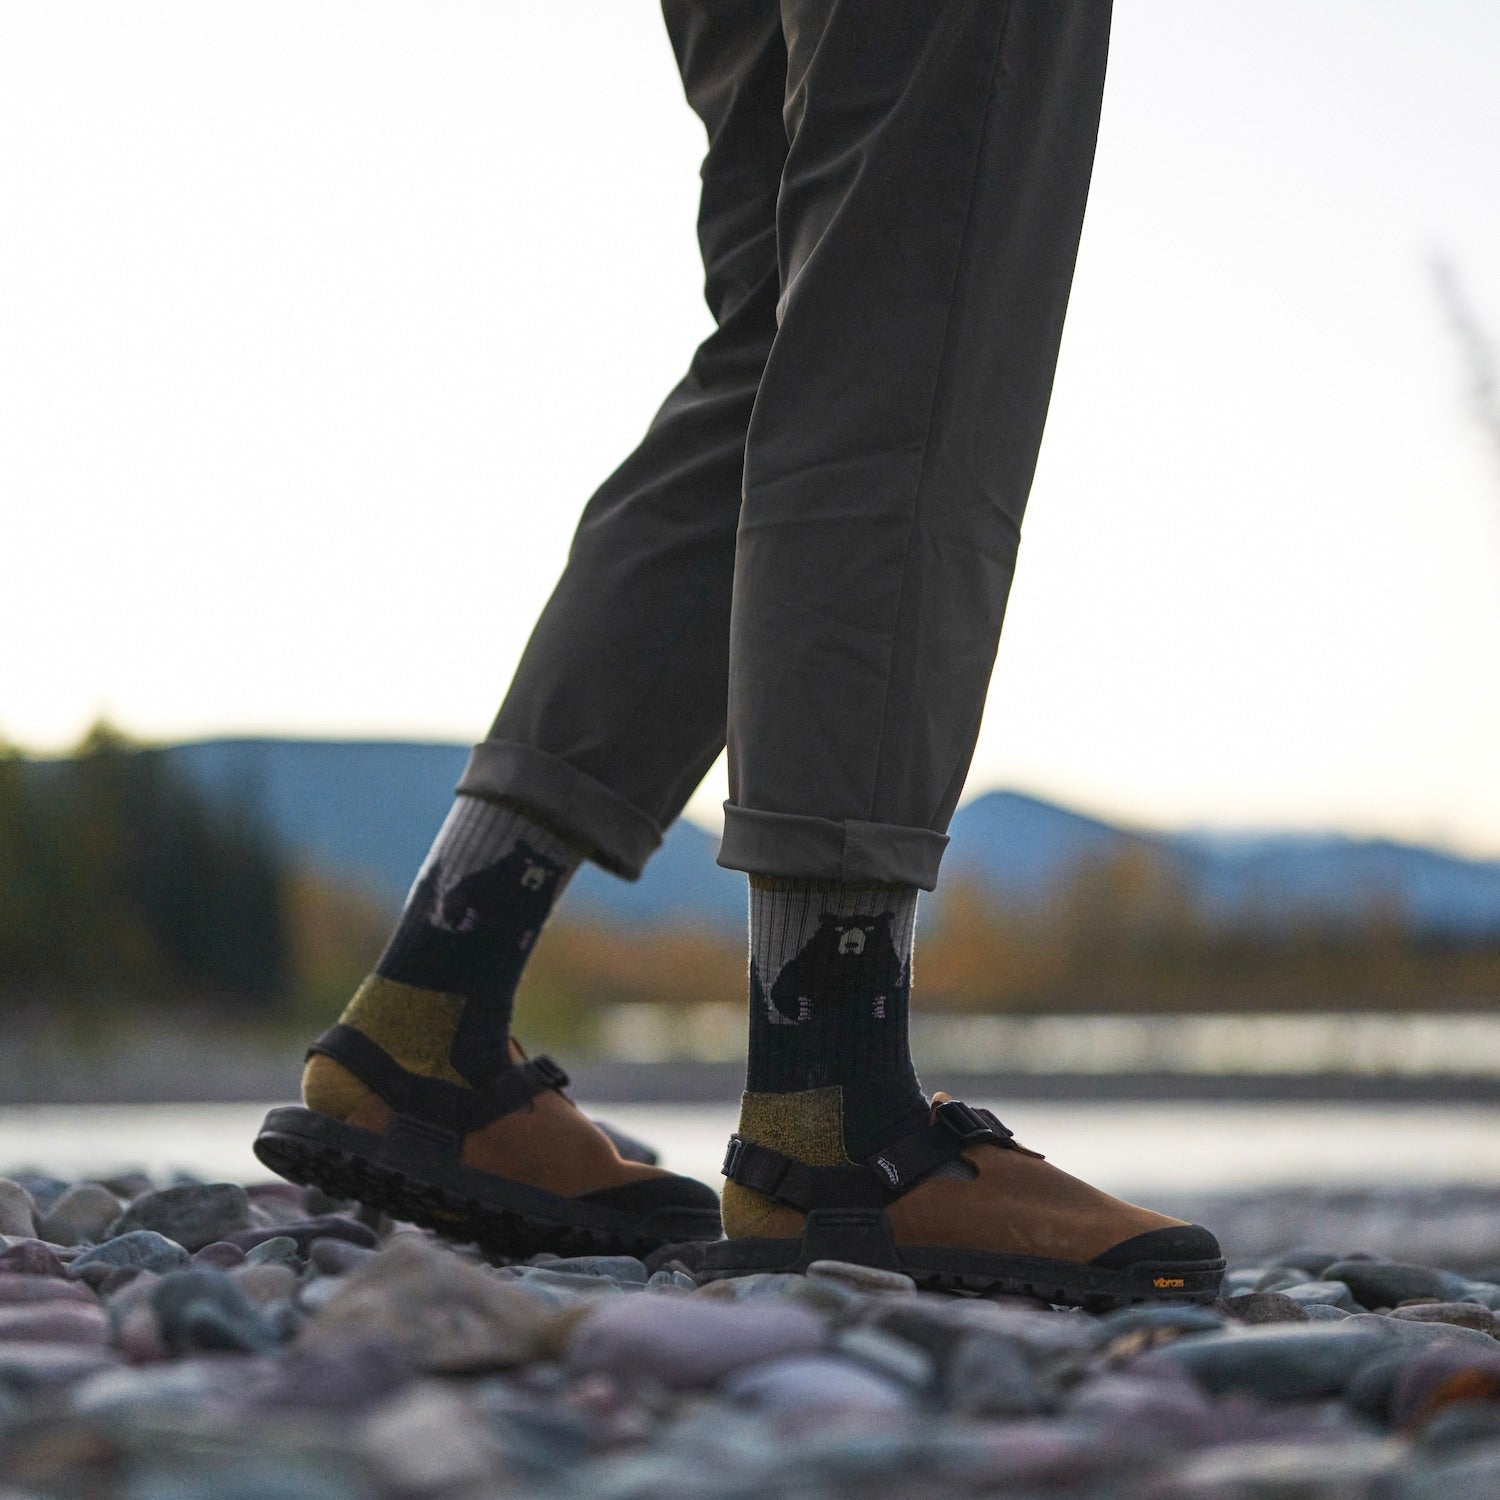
365, 812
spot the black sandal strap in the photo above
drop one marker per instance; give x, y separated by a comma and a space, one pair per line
874, 1183
449, 1106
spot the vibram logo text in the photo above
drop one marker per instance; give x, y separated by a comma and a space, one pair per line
1166, 1281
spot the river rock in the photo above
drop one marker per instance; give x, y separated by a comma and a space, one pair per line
29, 1367
1279, 1278
1278, 1363
1388, 1283
1310, 1258
1324, 1294
1475, 1474
803, 1383
54, 1323
220, 1255
625, 1269
869, 1279
30, 1258
1458, 1314
19, 1289
1176, 1319
687, 1341
887, 1355
80, 1216
427, 1440
1439, 1376
670, 1281
264, 1284
193, 1214
281, 1248
17, 1209
1281, 1470
1323, 1312
305, 1231
143, 1249
443, 1313
337, 1257
990, 1375
205, 1310
340, 1377
45, 1189
1255, 1308
1417, 1334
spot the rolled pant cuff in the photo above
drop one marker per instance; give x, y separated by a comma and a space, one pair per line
802, 848
612, 832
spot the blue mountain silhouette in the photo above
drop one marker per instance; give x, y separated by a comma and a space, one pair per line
366, 811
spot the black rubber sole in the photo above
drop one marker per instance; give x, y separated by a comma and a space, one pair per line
865, 1238
409, 1180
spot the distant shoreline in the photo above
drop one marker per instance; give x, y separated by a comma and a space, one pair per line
245, 1080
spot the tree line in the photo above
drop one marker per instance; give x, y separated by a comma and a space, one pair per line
119, 878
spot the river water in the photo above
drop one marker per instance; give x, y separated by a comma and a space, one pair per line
1124, 1147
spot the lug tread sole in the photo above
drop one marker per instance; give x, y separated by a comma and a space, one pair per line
500, 1232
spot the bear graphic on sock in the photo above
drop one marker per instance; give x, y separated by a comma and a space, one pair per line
849, 963
474, 940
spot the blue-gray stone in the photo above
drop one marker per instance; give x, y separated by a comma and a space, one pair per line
887, 1355
1285, 1363
1262, 1307
621, 1268
1240, 1280
44, 1190
581, 1283
333, 1257
670, 1281
194, 1214
1310, 1258
1279, 1278
1179, 1319
866, 1279
140, 1249
1321, 1312
281, 1248
1328, 1293
286, 1476
810, 1382
1388, 1283
990, 1375
1467, 1476
206, 1310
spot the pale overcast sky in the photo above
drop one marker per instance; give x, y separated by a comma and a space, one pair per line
320, 321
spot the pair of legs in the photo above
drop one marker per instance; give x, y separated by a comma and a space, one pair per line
808, 557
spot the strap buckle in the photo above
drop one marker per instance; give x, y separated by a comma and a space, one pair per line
549, 1072
970, 1125
732, 1154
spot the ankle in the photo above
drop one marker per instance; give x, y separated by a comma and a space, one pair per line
415, 1026
807, 1124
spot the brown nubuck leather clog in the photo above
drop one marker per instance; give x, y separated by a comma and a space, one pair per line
513, 1165
960, 1205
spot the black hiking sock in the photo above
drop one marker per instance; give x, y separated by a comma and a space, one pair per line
830, 1067
469, 925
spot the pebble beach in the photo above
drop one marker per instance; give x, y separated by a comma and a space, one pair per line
187, 1340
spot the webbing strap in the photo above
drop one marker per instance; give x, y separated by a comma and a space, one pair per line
447, 1105
872, 1183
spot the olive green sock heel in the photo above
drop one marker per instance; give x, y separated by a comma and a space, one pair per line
415, 1026
807, 1125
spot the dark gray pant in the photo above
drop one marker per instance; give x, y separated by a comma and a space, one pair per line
810, 551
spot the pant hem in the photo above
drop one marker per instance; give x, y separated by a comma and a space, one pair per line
804, 848
612, 832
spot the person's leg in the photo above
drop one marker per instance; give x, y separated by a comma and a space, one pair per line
618, 706
928, 223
